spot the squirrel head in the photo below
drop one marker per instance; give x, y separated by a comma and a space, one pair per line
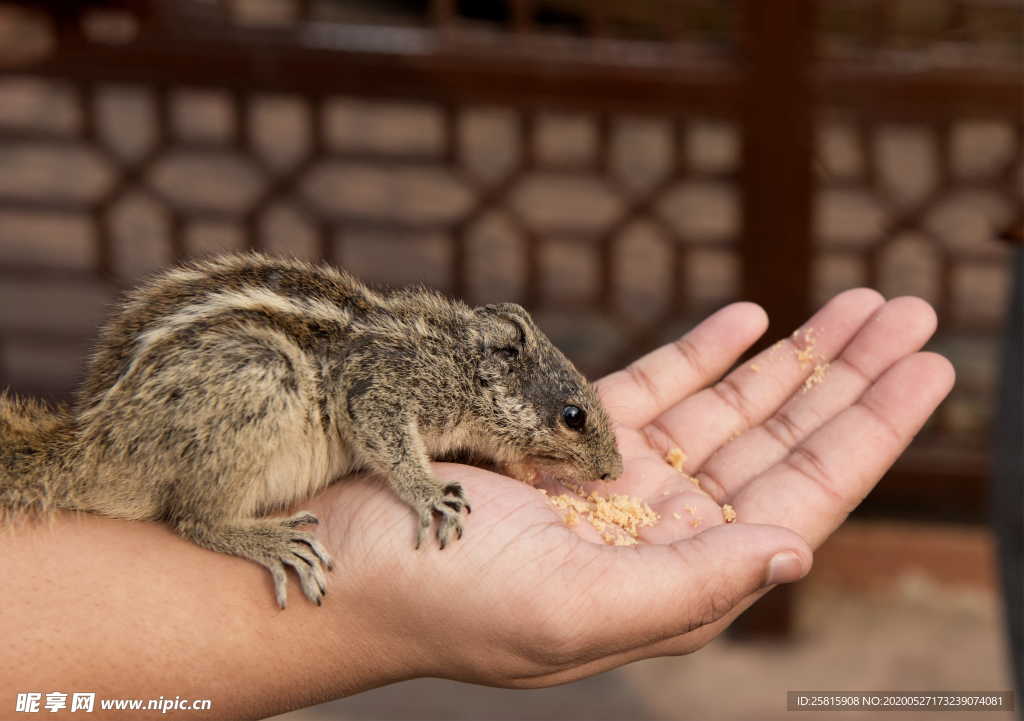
534, 402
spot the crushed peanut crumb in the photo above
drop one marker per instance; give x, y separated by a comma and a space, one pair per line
755, 367
677, 516
676, 458
815, 377
729, 513
629, 514
567, 502
613, 539
618, 518
807, 355
694, 523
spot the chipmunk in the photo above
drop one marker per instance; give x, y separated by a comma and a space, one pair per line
224, 390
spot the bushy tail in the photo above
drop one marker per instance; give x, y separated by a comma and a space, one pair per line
28, 431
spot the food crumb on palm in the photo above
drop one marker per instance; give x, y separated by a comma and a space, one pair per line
676, 458
816, 377
617, 517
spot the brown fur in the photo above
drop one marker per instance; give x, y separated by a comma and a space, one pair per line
225, 390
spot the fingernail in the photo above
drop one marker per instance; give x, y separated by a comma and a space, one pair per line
785, 567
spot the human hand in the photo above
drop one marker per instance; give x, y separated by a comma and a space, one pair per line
525, 601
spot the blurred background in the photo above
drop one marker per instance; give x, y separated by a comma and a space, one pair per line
622, 169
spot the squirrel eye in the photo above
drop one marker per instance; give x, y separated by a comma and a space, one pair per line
507, 353
574, 417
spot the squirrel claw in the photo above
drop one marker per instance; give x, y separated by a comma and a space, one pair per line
275, 544
448, 507
305, 555
422, 530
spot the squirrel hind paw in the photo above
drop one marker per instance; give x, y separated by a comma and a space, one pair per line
276, 545
310, 571
305, 555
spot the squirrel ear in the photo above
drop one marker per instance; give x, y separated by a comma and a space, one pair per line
523, 336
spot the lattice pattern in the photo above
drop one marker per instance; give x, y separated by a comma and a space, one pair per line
615, 230
915, 209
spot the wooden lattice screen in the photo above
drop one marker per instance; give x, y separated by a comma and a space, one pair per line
620, 168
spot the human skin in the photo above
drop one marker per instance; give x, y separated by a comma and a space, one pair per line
129, 609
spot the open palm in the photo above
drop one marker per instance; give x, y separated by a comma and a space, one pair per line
523, 600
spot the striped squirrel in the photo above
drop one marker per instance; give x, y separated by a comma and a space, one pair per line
225, 390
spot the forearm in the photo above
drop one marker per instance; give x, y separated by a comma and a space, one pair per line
127, 609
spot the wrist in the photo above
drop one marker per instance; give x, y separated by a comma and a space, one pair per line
128, 609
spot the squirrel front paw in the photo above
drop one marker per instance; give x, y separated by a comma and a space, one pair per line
448, 505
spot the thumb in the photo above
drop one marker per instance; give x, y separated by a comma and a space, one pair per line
680, 587
727, 563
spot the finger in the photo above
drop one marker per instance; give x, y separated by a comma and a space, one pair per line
900, 327
683, 514
649, 385
706, 420
672, 646
814, 488
661, 592
814, 503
